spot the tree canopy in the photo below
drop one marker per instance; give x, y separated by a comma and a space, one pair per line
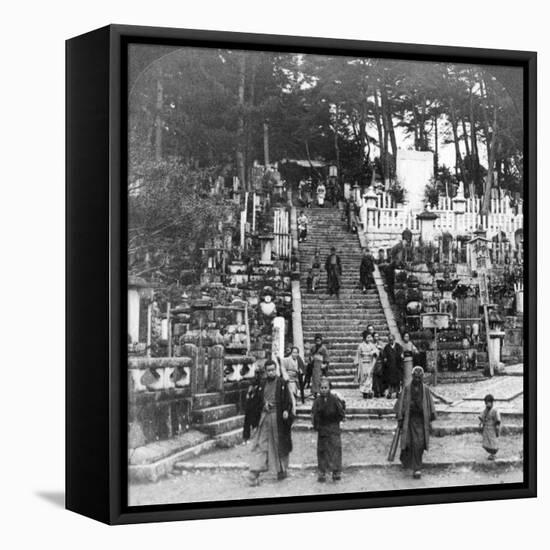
197, 113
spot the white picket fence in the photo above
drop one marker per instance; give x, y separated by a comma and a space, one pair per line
282, 242
387, 217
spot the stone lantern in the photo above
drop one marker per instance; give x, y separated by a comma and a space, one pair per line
427, 225
459, 202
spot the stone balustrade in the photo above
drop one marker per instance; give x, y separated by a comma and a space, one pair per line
158, 373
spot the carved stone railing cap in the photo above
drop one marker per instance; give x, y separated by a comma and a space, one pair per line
158, 362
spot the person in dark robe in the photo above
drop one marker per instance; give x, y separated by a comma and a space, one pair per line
378, 381
366, 269
327, 413
271, 417
415, 411
333, 267
250, 404
392, 360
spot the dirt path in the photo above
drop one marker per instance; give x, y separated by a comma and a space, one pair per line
197, 486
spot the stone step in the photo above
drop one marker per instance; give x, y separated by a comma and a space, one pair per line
341, 370
211, 414
338, 377
349, 319
204, 400
230, 439
321, 293
353, 335
326, 302
221, 426
344, 385
373, 313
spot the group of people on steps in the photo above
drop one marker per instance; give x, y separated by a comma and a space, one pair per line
271, 409
380, 370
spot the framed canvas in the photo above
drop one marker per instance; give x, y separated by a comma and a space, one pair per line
301, 274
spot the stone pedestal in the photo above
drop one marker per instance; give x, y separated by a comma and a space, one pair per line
427, 226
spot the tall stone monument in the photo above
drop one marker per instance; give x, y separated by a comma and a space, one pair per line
414, 169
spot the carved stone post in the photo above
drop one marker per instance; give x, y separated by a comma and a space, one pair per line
195, 376
215, 368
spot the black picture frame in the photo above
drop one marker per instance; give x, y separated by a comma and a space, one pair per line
96, 384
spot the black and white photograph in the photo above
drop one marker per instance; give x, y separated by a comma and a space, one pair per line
325, 274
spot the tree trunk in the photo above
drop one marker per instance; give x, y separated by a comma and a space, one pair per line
158, 121
459, 160
387, 109
266, 144
380, 127
336, 144
491, 141
468, 152
362, 130
473, 138
436, 146
240, 123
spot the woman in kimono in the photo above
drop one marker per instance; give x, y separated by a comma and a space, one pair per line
409, 351
490, 427
318, 359
327, 413
366, 355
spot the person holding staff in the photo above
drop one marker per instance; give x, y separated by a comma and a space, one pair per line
270, 415
415, 412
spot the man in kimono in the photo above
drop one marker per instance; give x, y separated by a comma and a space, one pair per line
392, 360
366, 269
327, 413
271, 416
415, 412
333, 267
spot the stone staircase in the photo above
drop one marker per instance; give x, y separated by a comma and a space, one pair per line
216, 419
340, 320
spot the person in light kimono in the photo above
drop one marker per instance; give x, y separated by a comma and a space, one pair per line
318, 364
365, 357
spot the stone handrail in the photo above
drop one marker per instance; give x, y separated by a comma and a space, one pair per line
158, 373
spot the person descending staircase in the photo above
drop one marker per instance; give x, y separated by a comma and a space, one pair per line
342, 320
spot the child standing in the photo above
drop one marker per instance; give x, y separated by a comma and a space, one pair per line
327, 412
490, 427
